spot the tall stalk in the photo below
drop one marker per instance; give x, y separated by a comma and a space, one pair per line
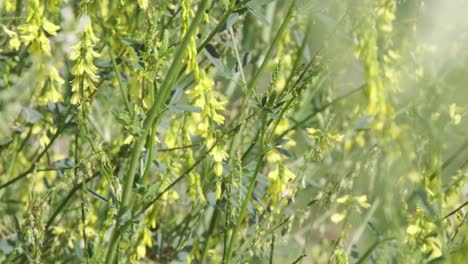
248, 196
152, 118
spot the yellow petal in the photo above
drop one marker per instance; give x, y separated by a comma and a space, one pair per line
336, 218
413, 229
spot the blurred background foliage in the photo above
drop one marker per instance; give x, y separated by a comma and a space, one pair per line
367, 102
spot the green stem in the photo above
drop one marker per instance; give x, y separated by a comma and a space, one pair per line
149, 161
34, 164
67, 199
321, 109
456, 210
299, 258
12, 18
272, 248
289, 88
170, 186
119, 79
253, 83
273, 46
297, 61
218, 27
186, 172
451, 159
151, 120
214, 217
248, 196
371, 249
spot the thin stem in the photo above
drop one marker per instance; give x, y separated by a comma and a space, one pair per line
34, 163
218, 27
181, 147
149, 161
123, 91
299, 258
321, 109
170, 186
67, 199
371, 249
449, 161
12, 18
456, 210
300, 52
238, 58
266, 60
211, 228
151, 120
272, 248
185, 173
248, 196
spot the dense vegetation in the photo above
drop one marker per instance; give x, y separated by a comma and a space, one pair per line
241, 131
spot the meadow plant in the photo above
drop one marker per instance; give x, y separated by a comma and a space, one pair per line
233, 131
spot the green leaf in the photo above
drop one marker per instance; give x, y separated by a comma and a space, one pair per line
77, 247
151, 191
363, 123
63, 164
188, 108
141, 189
4, 142
135, 44
214, 58
256, 13
283, 152
247, 58
232, 19
125, 217
5, 247
259, 2
281, 141
177, 95
30, 115
97, 196
212, 51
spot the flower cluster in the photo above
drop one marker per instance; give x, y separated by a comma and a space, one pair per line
48, 76
280, 177
14, 43
202, 96
35, 29
421, 234
34, 34
192, 66
84, 71
349, 201
367, 49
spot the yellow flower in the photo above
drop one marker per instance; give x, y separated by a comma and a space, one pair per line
312, 131
218, 168
454, 117
218, 191
219, 154
143, 4
413, 229
50, 27
14, 42
362, 201
338, 217
33, 31
280, 178
344, 199
84, 70
273, 156
335, 137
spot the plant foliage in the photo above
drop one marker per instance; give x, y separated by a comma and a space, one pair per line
233, 131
